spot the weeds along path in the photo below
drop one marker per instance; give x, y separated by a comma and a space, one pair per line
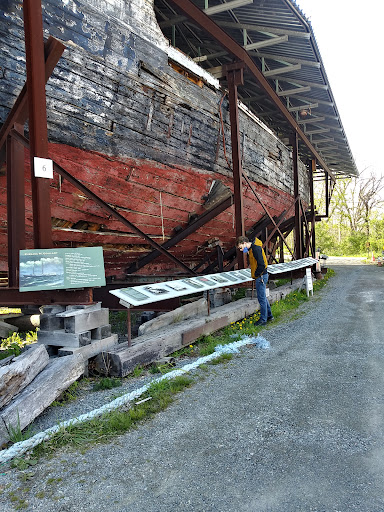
297, 427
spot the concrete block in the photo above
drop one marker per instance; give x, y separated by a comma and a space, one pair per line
64, 339
79, 310
52, 310
105, 331
51, 322
86, 321
95, 348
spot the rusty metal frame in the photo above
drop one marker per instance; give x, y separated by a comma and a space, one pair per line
105, 206
200, 18
191, 228
296, 193
15, 204
234, 73
13, 153
38, 131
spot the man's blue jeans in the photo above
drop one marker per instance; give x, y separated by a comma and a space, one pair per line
265, 308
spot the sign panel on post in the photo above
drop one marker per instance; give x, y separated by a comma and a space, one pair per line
53, 269
308, 281
43, 167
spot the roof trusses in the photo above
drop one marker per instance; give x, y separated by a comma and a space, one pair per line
280, 42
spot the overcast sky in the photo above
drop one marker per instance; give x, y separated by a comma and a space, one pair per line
349, 37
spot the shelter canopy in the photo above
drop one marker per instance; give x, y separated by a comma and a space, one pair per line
280, 41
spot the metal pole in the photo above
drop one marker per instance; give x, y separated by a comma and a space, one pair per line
235, 78
38, 135
313, 222
129, 327
326, 195
295, 158
15, 205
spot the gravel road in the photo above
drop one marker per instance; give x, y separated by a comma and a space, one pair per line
298, 427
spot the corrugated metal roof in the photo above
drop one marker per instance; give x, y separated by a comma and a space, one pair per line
281, 42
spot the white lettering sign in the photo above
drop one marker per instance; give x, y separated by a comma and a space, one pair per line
43, 167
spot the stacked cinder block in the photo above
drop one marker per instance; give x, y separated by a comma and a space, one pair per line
76, 329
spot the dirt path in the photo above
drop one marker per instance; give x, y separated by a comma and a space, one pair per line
298, 427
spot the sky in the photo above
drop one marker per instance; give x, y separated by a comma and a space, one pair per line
349, 37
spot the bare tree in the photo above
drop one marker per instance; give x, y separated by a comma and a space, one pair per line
354, 199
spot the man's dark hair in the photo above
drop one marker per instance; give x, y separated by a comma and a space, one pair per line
242, 240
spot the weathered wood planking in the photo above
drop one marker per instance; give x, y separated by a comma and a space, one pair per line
55, 378
130, 127
24, 368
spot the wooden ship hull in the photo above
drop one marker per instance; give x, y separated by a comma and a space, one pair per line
139, 125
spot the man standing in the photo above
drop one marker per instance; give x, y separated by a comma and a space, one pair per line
258, 263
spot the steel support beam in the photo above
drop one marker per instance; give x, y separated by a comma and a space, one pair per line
13, 297
15, 205
296, 192
234, 75
191, 228
312, 170
199, 17
38, 134
105, 206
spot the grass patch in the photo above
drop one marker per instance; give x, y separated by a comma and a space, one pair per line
282, 282
117, 422
106, 383
14, 344
69, 395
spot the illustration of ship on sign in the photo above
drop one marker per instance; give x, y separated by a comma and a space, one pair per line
174, 126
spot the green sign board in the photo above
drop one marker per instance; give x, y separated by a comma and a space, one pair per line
53, 269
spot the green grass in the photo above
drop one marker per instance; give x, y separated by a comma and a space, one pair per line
106, 383
161, 394
117, 422
69, 395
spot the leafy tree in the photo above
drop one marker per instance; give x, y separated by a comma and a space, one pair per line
356, 222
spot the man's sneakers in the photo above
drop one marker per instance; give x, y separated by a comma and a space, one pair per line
260, 322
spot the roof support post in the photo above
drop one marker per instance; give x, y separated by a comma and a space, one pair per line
312, 169
15, 205
38, 134
298, 233
235, 77
198, 16
327, 195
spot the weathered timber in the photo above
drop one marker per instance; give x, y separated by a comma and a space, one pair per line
151, 347
192, 310
56, 377
6, 360
25, 322
21, 372
6, 329
120, 361
128, 126
192, 334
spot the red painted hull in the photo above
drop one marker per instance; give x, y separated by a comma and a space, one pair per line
154, 197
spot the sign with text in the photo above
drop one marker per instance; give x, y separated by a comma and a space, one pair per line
53, 269
43, 167
308, 281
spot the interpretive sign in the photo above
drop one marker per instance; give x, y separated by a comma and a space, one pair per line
53, 269
308, 281
146, 294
